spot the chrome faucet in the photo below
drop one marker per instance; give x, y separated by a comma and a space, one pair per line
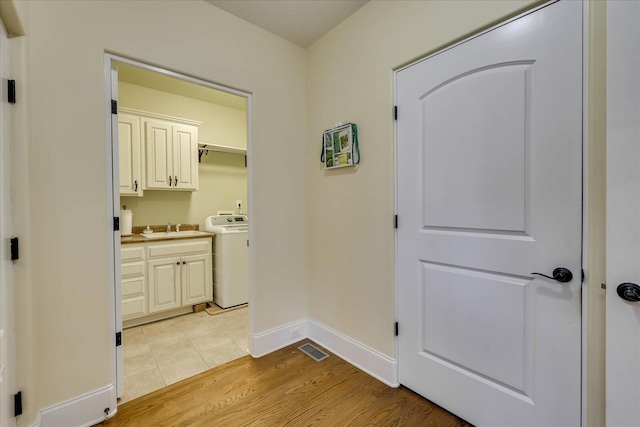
178, 228
169, 227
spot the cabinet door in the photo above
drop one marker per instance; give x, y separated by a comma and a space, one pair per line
164, 284
130, 159
196, 279
159, 147
185, 157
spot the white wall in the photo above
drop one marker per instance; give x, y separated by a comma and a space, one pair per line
67, 161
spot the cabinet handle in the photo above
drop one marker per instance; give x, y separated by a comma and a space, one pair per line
170, 180
175, 181
184, 262
178, 263
136, 185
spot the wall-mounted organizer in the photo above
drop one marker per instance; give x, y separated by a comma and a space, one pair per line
340, 146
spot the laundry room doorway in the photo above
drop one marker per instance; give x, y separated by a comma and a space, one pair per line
180, 156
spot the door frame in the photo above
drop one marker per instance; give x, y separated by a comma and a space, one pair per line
585, 193
113, 202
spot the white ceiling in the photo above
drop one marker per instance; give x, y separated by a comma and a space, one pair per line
300, 21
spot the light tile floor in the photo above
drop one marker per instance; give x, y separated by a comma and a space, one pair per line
165, 352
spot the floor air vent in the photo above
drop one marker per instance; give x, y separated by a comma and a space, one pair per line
314, 352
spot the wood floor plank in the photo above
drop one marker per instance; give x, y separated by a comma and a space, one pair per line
284, 388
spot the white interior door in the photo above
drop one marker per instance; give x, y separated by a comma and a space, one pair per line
623, 213
7, 335
489, 151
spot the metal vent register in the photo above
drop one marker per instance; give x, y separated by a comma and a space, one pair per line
314, 352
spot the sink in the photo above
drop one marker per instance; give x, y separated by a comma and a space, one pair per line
163, 234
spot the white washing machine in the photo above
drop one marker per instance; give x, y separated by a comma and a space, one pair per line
230, 259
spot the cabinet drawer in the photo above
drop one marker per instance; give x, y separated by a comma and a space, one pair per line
128, 254
132, 288
177, 249
132, 269
134, 307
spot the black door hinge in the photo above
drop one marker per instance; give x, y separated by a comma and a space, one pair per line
396, 329
582, 270
395, 222
603, 285
118, 339
116, 223
395, 112
17, 404
15, 251
114, 106
11, 91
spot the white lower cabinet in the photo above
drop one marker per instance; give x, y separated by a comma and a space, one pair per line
171, 275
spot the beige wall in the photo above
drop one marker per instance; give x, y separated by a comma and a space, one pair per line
222, 176
67, 170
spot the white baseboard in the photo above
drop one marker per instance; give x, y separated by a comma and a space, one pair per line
82, 411
375, 364
277, 338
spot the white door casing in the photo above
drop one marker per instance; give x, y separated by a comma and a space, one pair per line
623, 212
114, 168
489, 174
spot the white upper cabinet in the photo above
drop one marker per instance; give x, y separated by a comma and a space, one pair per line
130, 154
157, 152
172, 155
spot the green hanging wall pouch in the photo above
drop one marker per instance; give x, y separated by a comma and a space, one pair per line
340, 146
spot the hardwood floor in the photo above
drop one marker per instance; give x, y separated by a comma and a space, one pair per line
284, 388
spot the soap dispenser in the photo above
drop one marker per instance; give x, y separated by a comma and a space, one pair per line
147, 230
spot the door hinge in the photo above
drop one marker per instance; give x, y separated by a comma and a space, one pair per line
116, 223
247, 242
395, 221
396, 329
603, 285
114, 106
118, 339
15, 251
395, 112
17, 404
582, 270
11, 91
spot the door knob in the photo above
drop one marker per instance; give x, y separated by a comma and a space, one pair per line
560, 274
629, 292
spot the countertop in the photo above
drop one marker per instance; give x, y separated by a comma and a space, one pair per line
137, 236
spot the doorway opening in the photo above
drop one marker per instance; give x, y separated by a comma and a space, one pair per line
180, 162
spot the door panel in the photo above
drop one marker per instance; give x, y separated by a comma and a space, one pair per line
456, 192
185, 156
158, 144
489, 191
196, 279
129, 150
164, 284
623, 212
